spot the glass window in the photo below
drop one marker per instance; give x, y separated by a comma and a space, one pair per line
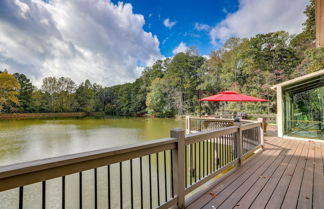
304, 113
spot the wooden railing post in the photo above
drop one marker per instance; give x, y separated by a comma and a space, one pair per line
188, 126
262, 131
179, 172
239, 142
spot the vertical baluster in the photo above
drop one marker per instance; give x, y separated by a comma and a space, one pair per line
43, 194
213, 154
234, 145
199, 153
196, 162
165, 177
158, 177
217, 153
171, 175
131, 180
150, 182
231, 148
226, 150
21, 197
80, 190
186, 166
121, 183
222, 151
210, 156
203, 142
95, 189
141, 181
191, 163
207, 157
63, 192
108, 184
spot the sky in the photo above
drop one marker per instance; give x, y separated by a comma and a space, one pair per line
110, 42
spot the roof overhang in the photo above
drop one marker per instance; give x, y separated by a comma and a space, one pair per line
303, 83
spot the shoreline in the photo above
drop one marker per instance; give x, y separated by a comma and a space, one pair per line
9, 116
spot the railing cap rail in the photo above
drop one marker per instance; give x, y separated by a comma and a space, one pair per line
37, 165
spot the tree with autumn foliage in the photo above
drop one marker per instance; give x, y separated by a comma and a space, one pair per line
9, 91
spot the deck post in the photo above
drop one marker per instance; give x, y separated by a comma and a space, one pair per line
179, 168
239, 142
262, 129
188, 128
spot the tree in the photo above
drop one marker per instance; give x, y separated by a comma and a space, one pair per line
160, 100
25, 93
9, 91
50, 87
65, 89
85, 97
306, 38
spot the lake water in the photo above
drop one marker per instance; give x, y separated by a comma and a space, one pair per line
25, 140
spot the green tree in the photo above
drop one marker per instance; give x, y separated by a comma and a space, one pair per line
160, 100
25, 93
85, 97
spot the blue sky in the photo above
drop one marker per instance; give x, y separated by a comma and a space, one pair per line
110, 42
186, 14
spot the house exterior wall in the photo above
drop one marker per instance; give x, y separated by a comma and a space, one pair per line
280, 117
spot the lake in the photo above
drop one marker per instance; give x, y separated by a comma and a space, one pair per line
25, 140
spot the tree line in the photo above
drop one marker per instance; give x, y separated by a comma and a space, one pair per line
174, 85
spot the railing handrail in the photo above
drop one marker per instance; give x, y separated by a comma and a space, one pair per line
212, 119
200, 136
250, 125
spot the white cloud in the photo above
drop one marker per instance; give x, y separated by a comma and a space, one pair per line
201, 27
81, 39
261, 16
182, 47
169, 24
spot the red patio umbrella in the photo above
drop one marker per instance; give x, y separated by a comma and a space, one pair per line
232, 96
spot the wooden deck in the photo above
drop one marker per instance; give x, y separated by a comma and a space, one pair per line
287, 174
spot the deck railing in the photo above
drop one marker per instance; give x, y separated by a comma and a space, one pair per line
197, 124
157, 174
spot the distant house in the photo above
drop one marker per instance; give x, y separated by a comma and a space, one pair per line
300, 107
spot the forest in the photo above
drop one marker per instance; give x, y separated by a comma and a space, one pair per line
173, 86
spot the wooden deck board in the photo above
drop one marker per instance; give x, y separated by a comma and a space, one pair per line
254, 179
318, 177
277, 192
262, 190
221, 197
305, 199
288, 174
247, 168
